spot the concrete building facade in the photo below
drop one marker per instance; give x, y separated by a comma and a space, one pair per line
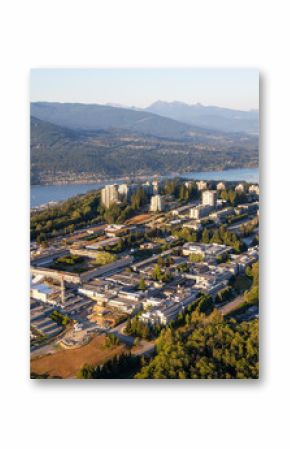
156, 204
109, 195
200, 211
221, 186
201, 185
209, 198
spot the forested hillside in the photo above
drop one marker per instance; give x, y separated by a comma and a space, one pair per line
206, 349
58, 152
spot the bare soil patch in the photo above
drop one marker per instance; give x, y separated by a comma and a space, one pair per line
138, 219
66, 363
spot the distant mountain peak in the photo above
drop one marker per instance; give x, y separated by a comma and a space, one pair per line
209, 117
116, 105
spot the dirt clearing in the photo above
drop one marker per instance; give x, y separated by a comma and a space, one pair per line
66, 363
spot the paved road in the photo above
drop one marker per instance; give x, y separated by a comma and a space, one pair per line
145, 347
43, 350
230, 306
127, 339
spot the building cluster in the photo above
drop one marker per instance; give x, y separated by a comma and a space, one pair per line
97, 295
119, 193
40, 321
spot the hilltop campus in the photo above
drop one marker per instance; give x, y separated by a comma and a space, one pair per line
185, 245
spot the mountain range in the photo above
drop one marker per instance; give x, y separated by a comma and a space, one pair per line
109, 141
209, 117
212, 117
92, 117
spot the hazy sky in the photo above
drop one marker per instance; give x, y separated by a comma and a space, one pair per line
233, 88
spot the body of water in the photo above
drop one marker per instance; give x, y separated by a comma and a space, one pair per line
44, 194
235, 174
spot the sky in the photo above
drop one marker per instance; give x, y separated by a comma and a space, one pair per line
140, 87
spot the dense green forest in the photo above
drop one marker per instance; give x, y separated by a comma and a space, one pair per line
66, 216
119, 367
206, 348
252, 295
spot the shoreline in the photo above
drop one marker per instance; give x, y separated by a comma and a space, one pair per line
42, 196
138, 177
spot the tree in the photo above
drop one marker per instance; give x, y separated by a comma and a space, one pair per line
86, 372
111, 340
58, 219
216, 238
171, 187
160, 261
224, 295
61, 319
205, 236
167, 276
183, 192
196, 257
252, 295
104, 258
119, 367
205, 304
138, 199
224, 195
232, 197
41, 238
207, 348
112, 213
156, 273
142, 284
128, 327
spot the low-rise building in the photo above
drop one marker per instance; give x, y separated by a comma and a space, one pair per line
44, 293
40, 321
125, 305
246, 259
210, 250
193, 224
48, 257
169, 309
221, 214
74, 304
101, 244
250, 208
100, 294
200, 211
114, 230
150, 245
